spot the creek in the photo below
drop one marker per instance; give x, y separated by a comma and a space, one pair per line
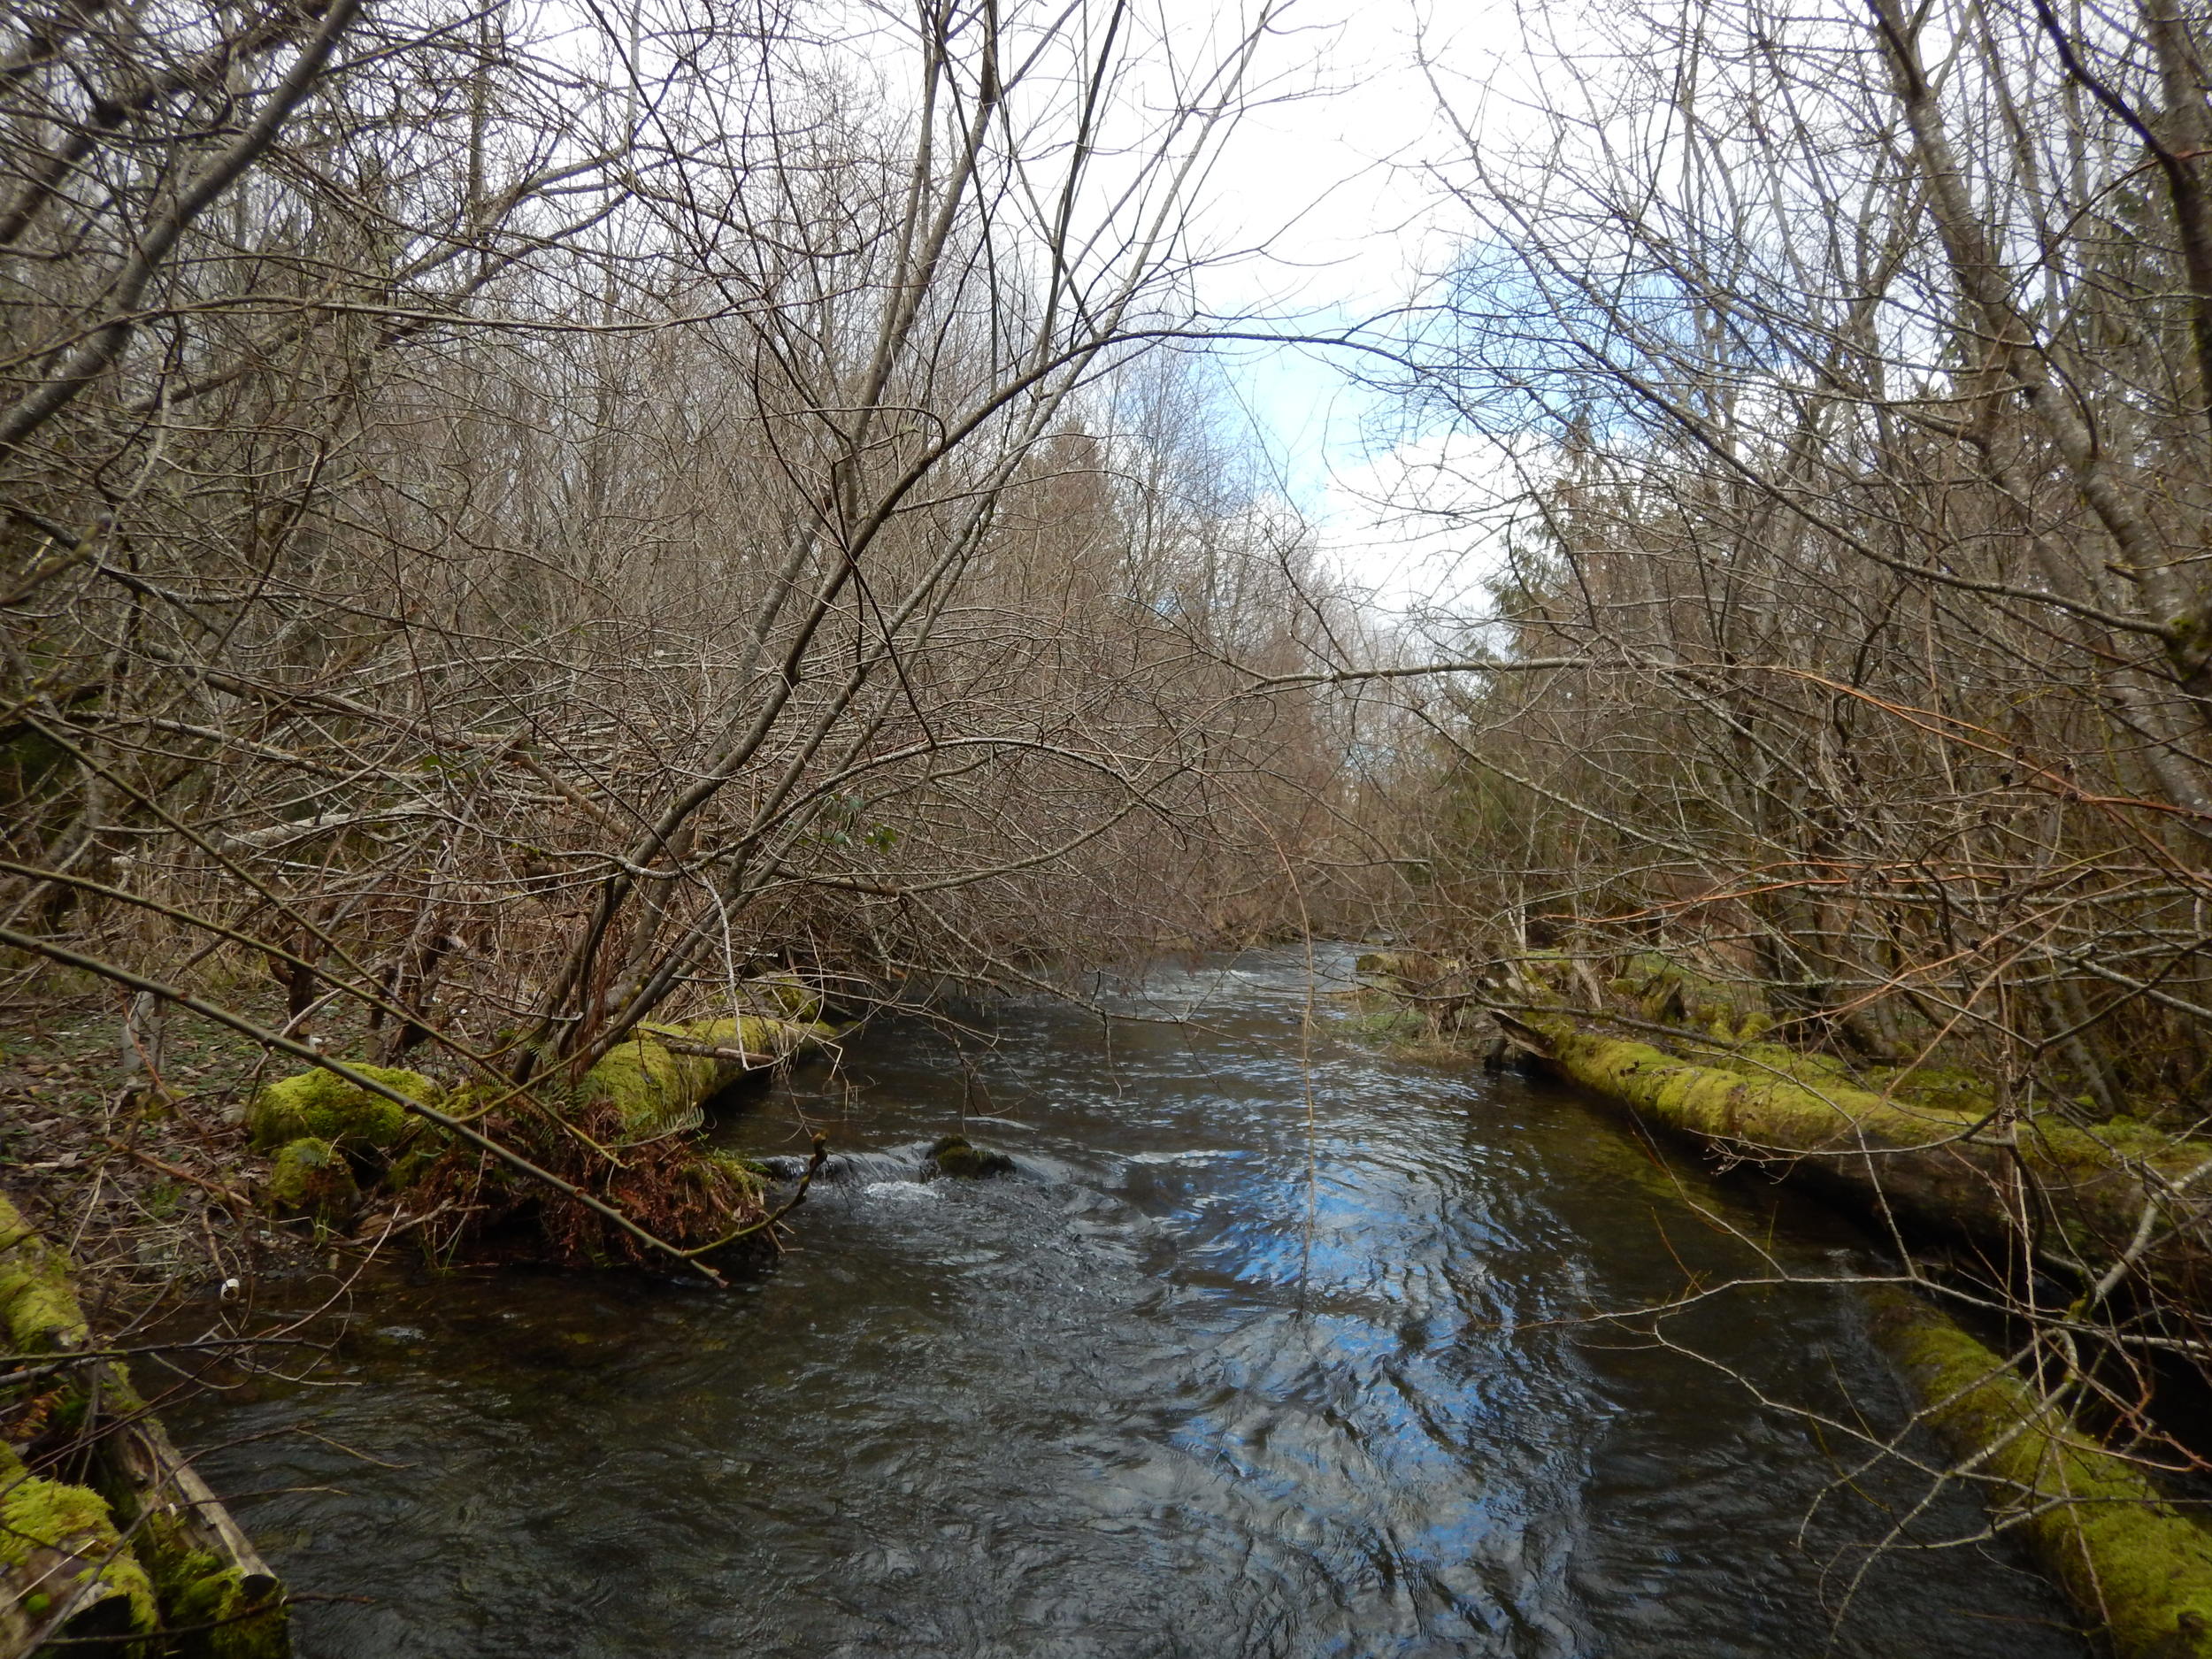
1275, 1345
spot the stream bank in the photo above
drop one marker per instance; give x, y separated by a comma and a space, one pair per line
1206, 1376
1923, 1154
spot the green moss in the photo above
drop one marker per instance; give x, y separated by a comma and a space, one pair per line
1941, 1088
749, 1170
210, 1609
37, 1301
311, 1177
789, 996
326, 1106
1547, 976
1671, 993
1385, 1023
1809, 1101
1765, 1061
654, 1092
658, 1091
208, 1603
2127, 1558
412, 1165
754, 1035
1808, 1114
737, 1184
952, 1156
73, 1522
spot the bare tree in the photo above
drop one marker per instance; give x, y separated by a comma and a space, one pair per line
1843, 678
527, 529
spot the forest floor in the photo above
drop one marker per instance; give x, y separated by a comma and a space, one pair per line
148, 1185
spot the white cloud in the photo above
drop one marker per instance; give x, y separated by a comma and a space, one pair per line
1338, 197
1420, 527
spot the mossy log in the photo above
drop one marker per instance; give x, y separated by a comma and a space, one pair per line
317, 1123
146, 1546
2130, 1562
68, 1582
218, 1597
1933, 1168
660, 1089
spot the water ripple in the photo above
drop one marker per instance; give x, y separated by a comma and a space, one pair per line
1206, 1378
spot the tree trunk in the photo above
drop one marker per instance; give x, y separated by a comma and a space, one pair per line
2130, 1562
1947, 1171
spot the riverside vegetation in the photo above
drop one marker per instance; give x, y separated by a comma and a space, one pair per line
1820, 763
551, 565
537, 547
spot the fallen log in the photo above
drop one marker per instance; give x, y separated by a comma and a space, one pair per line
2125, 1557
660, 1077
2121, 1196
218, 1597
66, 1575
2124, 1196
144, 1547
744, 1059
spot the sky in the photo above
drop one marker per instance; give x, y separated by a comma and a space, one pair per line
1325, 207
1340, 182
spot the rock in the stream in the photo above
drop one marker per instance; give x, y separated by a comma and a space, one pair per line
952, 1156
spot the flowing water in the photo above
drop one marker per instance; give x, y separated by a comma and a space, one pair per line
1274, 1346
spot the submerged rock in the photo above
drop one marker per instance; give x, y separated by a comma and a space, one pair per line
952, 1156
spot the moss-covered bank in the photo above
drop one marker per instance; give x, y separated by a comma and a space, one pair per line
141, 1548
619, 1138
2129, 1560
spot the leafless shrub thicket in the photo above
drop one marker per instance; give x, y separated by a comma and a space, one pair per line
1852, 638
1870, 544
522, 515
